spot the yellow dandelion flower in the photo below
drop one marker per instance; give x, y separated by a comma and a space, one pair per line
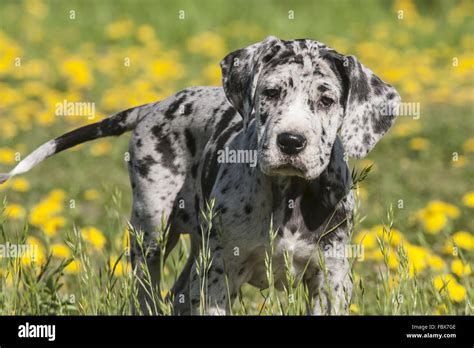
461, 162
9, 96
7, 156
166, 69
35, 68
456, 291
366, 163
119, 30
419, 144
77, 71
7, 275
46, 118
426, 74
448, 248
459, 268
53, 225
37, 8
392, 260
100, 148
464, 240
451, 211
435, 216
436, 263
9, 49
57, 195
441, 309
406, 129
394, 236
91, 195
468, 199
375, 255
118, 268
122, 267
412, 87
60, 251
122, 240
34, 88
209, 44
442, 207
354, 308
164, 293
393, 281
20, 185
441, 281
434, 222
14, 211
367, 50
403, 38
145, 33
361, 192
366, 238
212, 74
73, 268
47, 208
35, 254
94, 236
468, 145
417, 258
8, 129
126, 240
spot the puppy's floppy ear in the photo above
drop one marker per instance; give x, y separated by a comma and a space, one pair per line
370, 105
240, 71
335, 181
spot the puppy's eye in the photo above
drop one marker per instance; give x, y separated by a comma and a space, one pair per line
326, 102
271, 93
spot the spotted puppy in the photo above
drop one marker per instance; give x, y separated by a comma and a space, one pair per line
298, 106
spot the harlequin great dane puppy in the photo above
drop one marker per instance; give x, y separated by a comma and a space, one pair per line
286, 102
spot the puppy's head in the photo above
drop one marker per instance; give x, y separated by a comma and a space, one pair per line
301, 94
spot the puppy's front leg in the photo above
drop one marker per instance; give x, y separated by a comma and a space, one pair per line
208, 290
331, 288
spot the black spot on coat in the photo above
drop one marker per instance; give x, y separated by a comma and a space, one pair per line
174, 106
190, 141
143, 165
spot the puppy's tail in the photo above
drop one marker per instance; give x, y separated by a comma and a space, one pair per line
114, 125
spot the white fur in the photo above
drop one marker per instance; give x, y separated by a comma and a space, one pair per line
40, 154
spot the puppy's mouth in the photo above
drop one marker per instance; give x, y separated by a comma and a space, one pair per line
286, 170
282, 165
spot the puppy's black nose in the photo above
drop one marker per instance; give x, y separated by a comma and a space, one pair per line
291, 143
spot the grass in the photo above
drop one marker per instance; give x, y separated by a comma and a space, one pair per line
411, 263
45, 288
